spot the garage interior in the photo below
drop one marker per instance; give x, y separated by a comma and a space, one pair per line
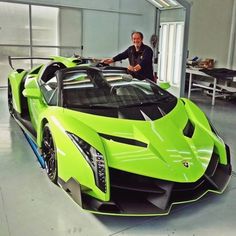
29, 203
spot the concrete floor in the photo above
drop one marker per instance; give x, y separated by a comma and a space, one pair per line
31, 205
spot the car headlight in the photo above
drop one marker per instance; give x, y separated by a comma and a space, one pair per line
94, 158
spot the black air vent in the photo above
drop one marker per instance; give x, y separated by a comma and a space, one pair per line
123, 180
213, 164
124, 140
19, 70
189, 129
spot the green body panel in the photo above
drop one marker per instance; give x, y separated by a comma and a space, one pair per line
167, 147
163, 85
36, 105
71, 162
199, 118
68, 62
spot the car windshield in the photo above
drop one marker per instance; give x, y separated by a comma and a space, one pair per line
108, 89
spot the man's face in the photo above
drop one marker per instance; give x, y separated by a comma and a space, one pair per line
137, 40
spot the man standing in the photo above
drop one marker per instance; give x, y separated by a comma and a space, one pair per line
140, 58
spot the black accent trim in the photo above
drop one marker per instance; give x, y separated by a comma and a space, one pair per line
93, 204
26, 123
155, 196
182, 101
75, 191
50, 70
19, 70
97, 166
124, 140
23, 99
212, 167
228, 154
73, 188
128, 181
188, 129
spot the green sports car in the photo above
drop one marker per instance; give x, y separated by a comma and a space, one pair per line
117, 145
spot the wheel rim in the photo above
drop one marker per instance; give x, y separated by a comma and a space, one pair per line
49, 155
10, 103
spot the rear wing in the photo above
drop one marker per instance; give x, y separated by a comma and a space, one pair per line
11, 59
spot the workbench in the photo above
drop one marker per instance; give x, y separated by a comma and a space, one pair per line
213, 87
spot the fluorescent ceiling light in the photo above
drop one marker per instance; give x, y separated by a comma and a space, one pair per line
164, 2
156, 4
173, 2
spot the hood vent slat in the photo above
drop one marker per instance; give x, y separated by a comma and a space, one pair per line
124, 140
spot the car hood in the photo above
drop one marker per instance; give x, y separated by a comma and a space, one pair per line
176, 147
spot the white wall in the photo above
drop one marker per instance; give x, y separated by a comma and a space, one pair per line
143, 22
107, 33
107, 5
210, 26
100, 33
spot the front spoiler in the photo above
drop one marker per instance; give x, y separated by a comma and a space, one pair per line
148, 196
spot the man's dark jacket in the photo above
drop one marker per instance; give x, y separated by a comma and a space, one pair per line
143, 57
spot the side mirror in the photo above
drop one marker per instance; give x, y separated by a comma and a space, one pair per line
163, 85
32, 93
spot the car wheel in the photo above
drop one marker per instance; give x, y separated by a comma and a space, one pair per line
10, 102
49, 154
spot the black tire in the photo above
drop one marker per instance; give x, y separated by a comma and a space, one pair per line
10, 102
49, 154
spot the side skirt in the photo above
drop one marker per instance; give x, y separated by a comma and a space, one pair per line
35, 149
25, 123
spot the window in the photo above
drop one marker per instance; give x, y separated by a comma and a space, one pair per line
49, 90
5, 69
45, 28
14, 21
55, 31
